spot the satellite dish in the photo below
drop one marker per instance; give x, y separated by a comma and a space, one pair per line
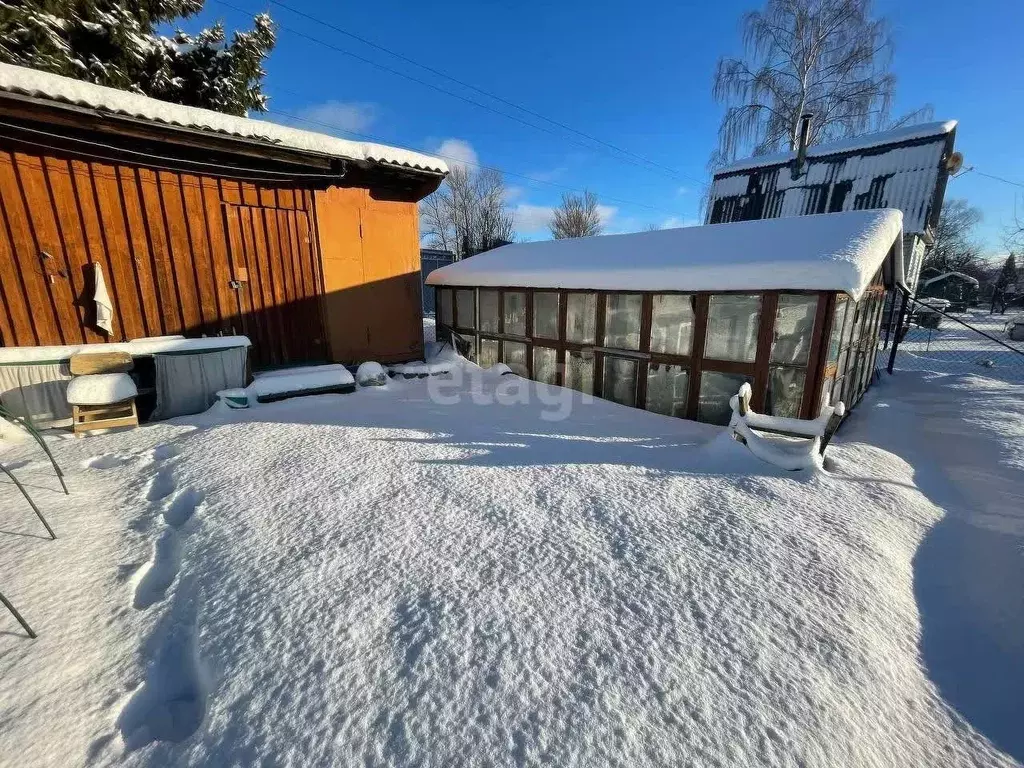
955, 163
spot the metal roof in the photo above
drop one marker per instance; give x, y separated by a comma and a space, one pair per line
903, 170
65, 90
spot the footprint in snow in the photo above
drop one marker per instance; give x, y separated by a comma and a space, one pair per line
171, 703
161, 485
181, 508
105, 461
160, 572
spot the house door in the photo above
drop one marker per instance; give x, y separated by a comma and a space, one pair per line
276, 281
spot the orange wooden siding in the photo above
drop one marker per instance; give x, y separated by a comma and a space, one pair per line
371, 274
169, 245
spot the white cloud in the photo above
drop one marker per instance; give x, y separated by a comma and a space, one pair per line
533, 218
683, 191
674, 222
513, 193
607, 213
340, 116
456, 152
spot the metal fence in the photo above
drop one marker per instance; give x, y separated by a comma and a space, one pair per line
429, 261
929, 338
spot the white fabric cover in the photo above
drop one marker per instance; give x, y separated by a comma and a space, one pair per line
104, 306
101, 389
36, 391
187, 383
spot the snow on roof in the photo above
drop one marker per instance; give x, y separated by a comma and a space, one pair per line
944, 275
831, 252
870, 141
30, 82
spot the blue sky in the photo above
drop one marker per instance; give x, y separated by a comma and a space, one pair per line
634, 75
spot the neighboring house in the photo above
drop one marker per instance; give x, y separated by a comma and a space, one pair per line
203, 224
676, 320
906, 168
960, 290
431, 259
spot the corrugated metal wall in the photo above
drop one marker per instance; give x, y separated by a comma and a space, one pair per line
903, 177
180, 253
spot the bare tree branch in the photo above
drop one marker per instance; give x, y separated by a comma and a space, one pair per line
468, 214
577, 216
826, 57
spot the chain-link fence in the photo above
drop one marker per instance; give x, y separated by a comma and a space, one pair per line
931, 338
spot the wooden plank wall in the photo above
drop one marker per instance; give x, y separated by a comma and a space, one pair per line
169, 245
371, 276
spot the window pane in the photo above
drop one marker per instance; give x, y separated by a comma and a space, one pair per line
794, 325
579, 373
622, 320
732, 328
785, 392
545, 315
715, 390
837, 391
672, 324
667, 388
515, 313
581, 318
489, 311
515, 357
838, 318
619, 382
851, 320
464, 308
488, 353
858, 325
545, 364
444, 304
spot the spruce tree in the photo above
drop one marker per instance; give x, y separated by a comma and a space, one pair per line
1008, 275
116, 43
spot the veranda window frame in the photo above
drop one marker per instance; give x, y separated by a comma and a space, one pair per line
817, 369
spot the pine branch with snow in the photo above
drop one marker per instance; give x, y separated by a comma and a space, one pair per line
115, 43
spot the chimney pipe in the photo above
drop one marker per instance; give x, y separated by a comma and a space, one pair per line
801, 150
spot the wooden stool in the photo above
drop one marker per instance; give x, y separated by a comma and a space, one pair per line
102, 394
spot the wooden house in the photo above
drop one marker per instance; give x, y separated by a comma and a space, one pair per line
906, 169
675, 321
202, 224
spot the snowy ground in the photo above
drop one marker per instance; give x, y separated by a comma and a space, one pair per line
447, 573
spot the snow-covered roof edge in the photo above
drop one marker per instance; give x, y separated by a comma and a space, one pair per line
870, 141
821, 252
65, 90
944, 275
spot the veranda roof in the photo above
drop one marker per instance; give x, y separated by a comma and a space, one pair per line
825, 252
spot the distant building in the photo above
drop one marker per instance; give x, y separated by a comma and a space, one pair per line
906, 169
959, 289
431, 259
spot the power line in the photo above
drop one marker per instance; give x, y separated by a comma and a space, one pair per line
460, 97
481, 166
481, 91
997, 178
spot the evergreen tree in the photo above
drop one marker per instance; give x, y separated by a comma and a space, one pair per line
1008, 274
115, 43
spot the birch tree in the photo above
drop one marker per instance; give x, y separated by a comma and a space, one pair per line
829, 58
577, 216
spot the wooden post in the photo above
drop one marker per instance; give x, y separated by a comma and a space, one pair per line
17, 615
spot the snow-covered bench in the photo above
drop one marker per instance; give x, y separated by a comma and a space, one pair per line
801, 442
